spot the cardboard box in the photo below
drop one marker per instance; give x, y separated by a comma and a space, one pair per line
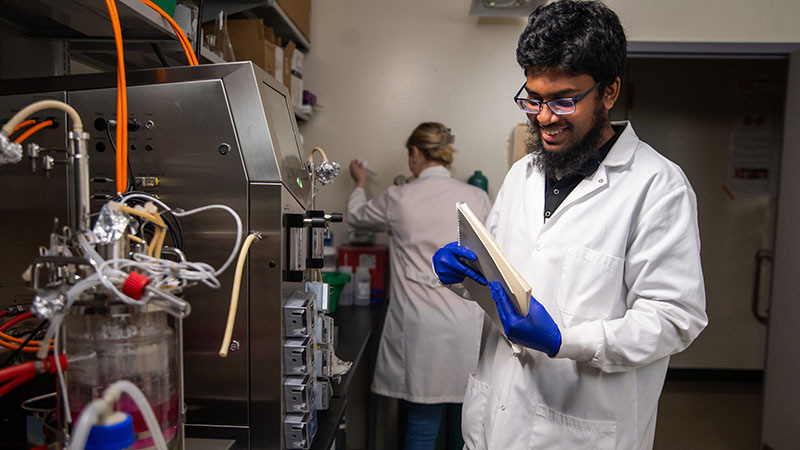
292, 73
279, 64
249, 38
300, 13
288, 53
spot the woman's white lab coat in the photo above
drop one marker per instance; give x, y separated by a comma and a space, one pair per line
431, 336
618, 267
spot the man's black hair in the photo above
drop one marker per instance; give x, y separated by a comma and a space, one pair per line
576, 36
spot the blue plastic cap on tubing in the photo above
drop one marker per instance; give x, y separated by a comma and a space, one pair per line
116, 435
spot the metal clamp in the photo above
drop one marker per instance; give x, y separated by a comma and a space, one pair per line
60, 263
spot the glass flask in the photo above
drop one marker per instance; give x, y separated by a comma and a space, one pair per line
130, 344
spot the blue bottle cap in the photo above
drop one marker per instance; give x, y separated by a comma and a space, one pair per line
115, 434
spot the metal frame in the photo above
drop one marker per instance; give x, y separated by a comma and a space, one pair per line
261, 175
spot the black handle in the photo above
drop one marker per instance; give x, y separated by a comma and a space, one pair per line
336, 217
761, 255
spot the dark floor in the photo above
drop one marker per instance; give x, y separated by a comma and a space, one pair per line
692, 415
709, 415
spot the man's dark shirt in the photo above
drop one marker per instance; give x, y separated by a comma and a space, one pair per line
555, 191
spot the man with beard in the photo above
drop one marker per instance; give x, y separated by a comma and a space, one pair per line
604, 229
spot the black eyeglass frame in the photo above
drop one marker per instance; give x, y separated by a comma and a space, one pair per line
574, 100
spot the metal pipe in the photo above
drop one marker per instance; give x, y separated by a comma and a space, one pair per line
78, 180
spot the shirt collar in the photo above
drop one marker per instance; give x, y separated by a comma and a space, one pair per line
622, 151
590, 167
435, 172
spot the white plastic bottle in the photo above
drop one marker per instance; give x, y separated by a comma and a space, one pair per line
329, 252
346, 297
363, 286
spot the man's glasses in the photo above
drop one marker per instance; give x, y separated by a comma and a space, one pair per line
560, 106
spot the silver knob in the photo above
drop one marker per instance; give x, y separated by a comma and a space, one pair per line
234, 346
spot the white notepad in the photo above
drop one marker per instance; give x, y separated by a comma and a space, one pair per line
492, 263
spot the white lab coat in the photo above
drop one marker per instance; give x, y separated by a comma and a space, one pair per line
431, 336
618, 267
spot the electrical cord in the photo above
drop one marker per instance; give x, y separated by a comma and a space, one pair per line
32, 130
130, 185
14, 342
122, 101
23, 124
16, 320
187, 47
16, 352
235, 216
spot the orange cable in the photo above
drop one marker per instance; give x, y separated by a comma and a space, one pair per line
32, 130
24, 349
23, 124
187, 48
17, 340
122, 102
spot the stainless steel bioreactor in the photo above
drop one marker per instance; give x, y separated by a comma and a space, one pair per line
198, 135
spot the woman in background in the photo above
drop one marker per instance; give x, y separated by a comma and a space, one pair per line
431, 336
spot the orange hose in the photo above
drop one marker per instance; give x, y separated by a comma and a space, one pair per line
32, 130
122, 102
23, 124
17, 340
187, 47
11, 346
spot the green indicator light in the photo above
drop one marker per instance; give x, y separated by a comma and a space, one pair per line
300, 182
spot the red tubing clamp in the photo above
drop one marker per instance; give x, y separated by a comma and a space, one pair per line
134, 285
49, 364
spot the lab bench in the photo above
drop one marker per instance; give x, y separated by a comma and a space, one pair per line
357, 337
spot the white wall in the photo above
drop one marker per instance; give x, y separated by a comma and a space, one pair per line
709, 20
380, 67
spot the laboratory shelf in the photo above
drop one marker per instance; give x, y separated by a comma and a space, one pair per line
270, 11
83, 19
328, 422
300, 115
207, 55
358, 326
86, 25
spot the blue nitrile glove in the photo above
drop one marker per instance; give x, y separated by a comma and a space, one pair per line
450, 270
537, 330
